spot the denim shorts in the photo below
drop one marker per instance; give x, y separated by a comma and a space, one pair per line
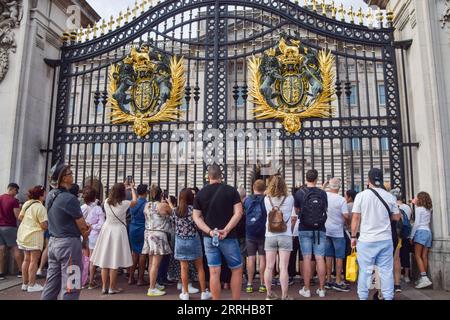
229, 248
188, 249
312, 242
335, 247
278, 243
423, 237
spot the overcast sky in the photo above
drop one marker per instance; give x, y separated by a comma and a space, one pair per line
106, 8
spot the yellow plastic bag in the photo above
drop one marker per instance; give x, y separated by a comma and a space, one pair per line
351, 271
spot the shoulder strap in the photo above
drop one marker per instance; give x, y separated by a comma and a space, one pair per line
382, 200
28, 207
56, 194
116, 216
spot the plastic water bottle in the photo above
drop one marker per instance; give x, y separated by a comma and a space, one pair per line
215, 239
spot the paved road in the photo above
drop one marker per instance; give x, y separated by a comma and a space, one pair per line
139, 293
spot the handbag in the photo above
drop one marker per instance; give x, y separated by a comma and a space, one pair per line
351, 270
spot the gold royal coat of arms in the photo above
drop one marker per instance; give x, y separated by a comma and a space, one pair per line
291, 82
146, 87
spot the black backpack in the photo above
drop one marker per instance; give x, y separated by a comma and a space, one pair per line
313, 212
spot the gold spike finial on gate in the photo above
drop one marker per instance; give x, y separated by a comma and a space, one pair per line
111, 23
103, 27
389, 15
95, 29
324, 7
360, 16
135, 9
80, 35
333, 10
65, 36
314, 5
73, 35
143, 3
351, 14
380, 17
88, 32
119, 20
127, 15
342, 12
369, 17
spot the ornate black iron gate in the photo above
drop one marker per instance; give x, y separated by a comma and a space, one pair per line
216, 39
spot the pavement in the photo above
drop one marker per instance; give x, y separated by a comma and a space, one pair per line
10, 290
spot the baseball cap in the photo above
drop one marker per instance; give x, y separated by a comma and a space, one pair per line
376, 177
56, 174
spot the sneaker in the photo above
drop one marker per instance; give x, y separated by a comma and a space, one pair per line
179, 286
155, 293
40, 274
275, 282
287, 298
423, 283
206, 295
407, 280
321, 293
24, 287
304, 292
397, 288
36, 288
160, 287
19, 275
272, 296
262, 289
2, 276
192, 290
340, 287
249, 288
184, 296
328, 285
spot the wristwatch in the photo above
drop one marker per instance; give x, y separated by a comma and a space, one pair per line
354, 237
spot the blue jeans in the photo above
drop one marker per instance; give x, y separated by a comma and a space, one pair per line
312, 242
380, 254
335, 247
230, 250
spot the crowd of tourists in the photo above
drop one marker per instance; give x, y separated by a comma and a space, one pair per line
218, 236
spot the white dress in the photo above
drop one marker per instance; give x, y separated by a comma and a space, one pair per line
112, 249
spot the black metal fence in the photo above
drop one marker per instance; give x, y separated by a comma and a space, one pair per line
216, 39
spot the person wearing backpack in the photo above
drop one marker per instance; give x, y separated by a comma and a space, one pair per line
373, 211
279, 205
255, 230
311, 204
403, 231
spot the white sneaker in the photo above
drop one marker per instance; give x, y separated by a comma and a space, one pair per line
24, 287
305, 293
36, 288
155, 293
184, 296
321, 293
192, 290
407, 280
423, 283
206, 295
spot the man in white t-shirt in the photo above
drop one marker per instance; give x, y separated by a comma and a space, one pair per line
335, 246
374, 245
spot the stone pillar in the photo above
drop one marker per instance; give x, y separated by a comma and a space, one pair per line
429, 107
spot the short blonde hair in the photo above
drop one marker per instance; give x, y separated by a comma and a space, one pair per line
259, 185
277, 187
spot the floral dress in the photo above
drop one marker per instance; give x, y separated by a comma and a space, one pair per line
157, 231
